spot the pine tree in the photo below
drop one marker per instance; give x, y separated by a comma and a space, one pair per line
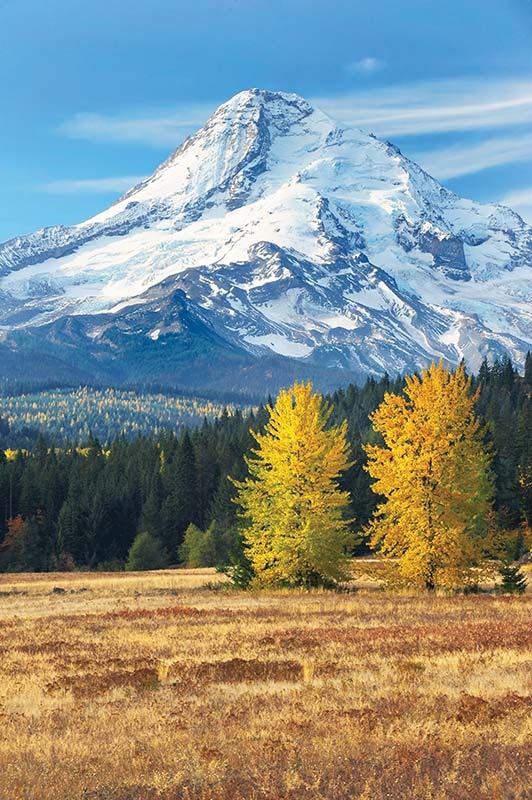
72, 530
484, 371
181, 506
434, 473
524, 441
505, 459
150, 518
528, 368
507, 372
513, 579
222, 508
295, 531
207, 472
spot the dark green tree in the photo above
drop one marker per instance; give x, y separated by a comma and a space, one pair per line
181, 506
528, 369
513, 579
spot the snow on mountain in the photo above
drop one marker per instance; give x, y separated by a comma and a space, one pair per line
286, 234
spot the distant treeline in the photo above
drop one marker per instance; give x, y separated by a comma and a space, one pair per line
72, 415
15, 388
62, 507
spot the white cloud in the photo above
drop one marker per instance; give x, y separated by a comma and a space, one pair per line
92, 185
521, 201
365, 66
465, 159
160, 130
434, 106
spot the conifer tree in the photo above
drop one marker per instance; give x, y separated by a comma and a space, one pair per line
528, 368
513, 579
295, 531
434, 473
222, 509
524, 441
484, 371
181, 506
207, 472
72, 530
150, 518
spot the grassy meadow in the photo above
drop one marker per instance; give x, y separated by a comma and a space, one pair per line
151, 686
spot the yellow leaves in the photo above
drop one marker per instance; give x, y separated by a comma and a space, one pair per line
524, 477
12, 454
296, 531
434, 474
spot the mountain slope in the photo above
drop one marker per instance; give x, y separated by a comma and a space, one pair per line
277, 239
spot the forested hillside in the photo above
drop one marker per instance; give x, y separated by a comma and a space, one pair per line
71, 415
64, 506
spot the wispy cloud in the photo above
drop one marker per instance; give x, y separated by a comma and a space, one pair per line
166, 129
364, 66
434, 106
521, 201
396, 110
92, 185
465, 159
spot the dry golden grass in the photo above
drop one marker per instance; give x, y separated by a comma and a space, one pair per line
150, 687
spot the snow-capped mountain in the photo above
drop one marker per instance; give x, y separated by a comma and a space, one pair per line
273, 236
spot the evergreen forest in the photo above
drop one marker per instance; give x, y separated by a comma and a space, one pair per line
66, 505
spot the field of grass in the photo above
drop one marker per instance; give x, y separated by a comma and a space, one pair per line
165, 685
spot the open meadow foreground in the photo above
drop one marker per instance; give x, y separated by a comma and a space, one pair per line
169, 685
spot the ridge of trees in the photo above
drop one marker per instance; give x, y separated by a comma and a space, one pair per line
71, 415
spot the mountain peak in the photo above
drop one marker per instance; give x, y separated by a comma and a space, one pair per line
276, 103
278, 232
275, 112
226, 156
264, 97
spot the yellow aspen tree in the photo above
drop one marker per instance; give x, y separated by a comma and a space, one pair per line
434, 475
295, 526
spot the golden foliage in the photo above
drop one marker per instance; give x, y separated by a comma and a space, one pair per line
434, 473
296, 531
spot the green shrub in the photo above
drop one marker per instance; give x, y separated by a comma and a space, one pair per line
146, 552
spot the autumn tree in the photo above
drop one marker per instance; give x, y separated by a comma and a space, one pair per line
13, 547
434, 475
295, 530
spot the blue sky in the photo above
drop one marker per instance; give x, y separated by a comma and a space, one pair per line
96, 94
